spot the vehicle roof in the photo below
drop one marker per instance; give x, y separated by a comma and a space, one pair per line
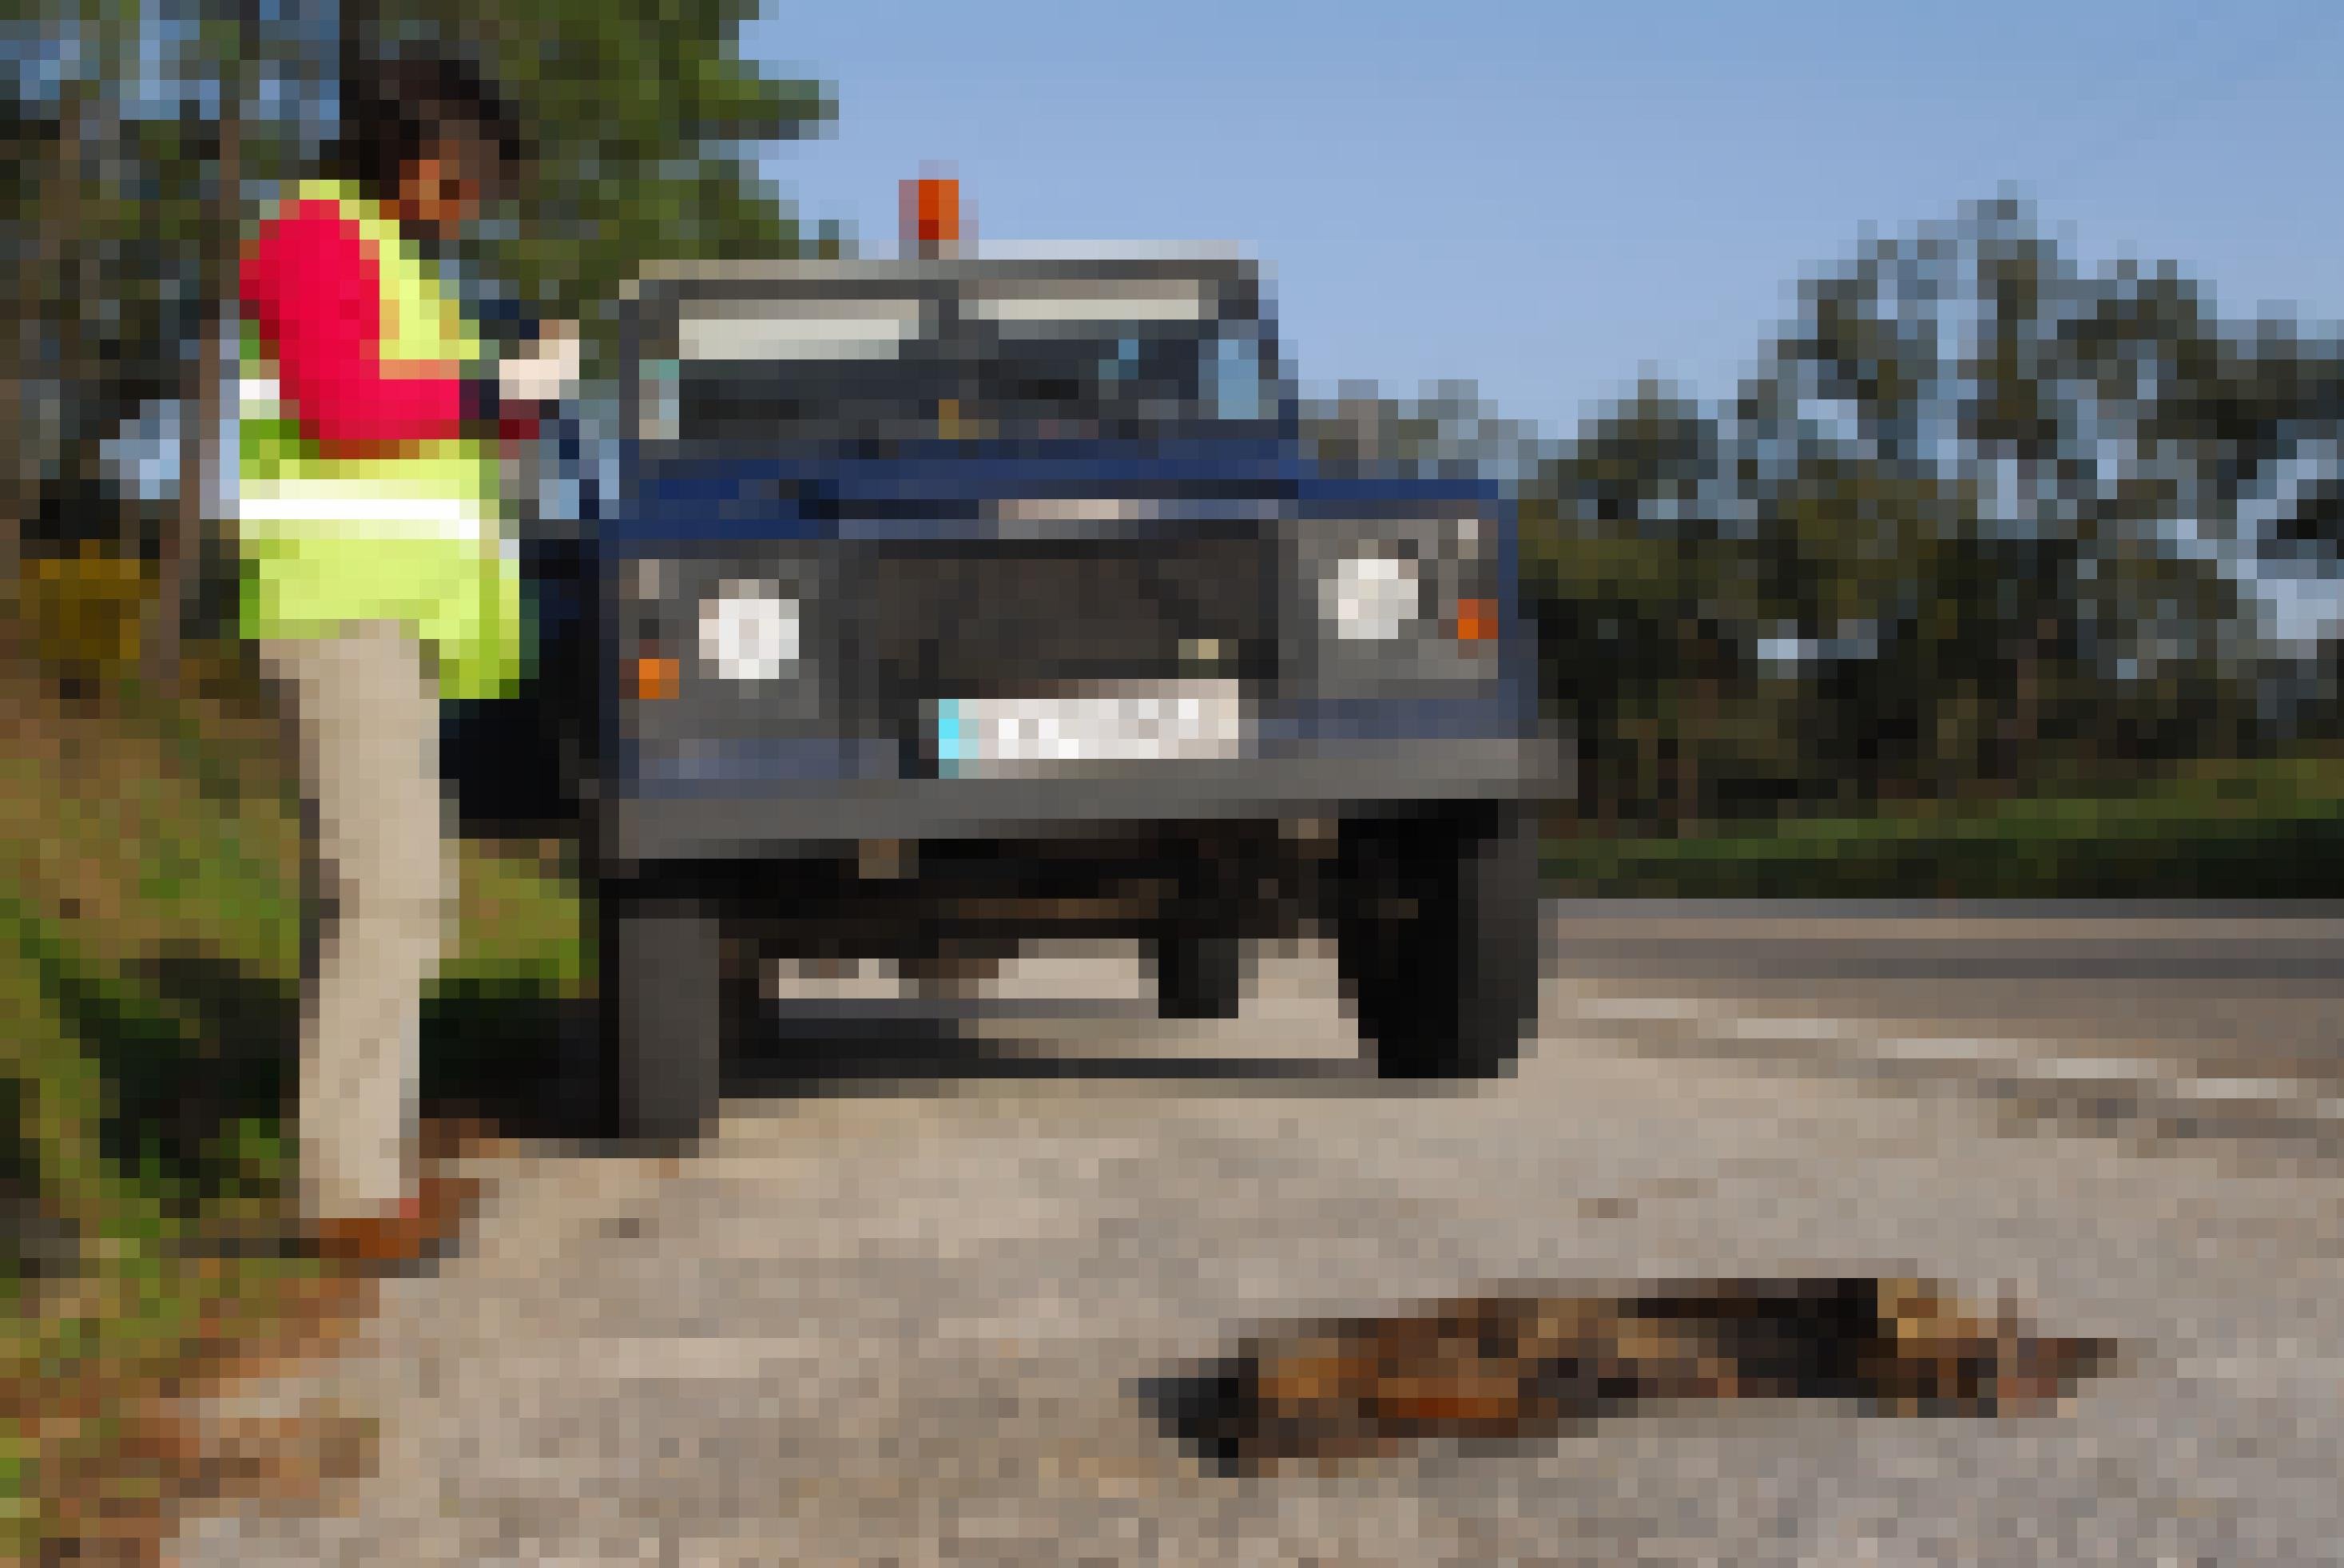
1047, 264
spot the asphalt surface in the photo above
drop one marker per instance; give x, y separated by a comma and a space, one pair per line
897, 1307
2218, 1018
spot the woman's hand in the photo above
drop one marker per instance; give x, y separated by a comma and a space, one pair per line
548, 373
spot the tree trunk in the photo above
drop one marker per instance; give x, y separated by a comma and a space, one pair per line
20, 486
40, 309
1697, 728
187, 537
22, 481
60, 257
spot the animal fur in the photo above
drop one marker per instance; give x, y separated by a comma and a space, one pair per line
1514, 1366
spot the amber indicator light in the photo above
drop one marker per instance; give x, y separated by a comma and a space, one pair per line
1477, 620
654, 680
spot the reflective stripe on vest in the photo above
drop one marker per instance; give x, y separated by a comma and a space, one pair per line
256, 397
358, 510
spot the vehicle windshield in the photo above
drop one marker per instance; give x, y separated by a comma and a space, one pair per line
1009, 369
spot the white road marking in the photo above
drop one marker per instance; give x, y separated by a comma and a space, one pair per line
2011, 1062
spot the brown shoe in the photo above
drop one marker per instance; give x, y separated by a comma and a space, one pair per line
420, 1229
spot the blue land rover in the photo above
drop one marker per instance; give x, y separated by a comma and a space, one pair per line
950, 603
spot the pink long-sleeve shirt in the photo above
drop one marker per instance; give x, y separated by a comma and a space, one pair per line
312, 286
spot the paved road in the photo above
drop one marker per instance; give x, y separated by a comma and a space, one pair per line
2224, 1016
895, 1315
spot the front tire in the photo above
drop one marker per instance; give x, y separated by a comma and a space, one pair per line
1438, 941
663, 1015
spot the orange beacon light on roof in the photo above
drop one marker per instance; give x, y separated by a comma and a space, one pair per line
931, 217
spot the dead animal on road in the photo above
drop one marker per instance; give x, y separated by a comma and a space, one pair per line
1518, 1366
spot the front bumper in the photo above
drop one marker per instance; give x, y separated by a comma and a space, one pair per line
812, 817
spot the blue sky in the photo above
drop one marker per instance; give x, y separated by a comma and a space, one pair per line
1552, 199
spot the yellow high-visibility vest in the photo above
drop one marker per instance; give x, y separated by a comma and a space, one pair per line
414, 536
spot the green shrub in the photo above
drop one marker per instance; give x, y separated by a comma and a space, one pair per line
2272, 830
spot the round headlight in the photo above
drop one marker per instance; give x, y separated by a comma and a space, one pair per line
749, 631
1370, 598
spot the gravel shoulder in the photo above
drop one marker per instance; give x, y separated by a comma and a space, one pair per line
901, 1319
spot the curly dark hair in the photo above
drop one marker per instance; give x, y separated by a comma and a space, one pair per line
393, 113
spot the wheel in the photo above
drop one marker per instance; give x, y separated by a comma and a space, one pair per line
664, 1011
1436, 940
1198, 974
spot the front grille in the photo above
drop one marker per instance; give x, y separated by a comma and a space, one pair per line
924, 620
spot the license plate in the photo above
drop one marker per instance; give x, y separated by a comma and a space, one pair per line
1127, 723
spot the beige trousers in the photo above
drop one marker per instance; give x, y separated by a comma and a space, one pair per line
379, 897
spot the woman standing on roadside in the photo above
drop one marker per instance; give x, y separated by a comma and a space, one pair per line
377, 578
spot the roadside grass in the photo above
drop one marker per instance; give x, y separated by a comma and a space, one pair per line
149, 961
2271, 828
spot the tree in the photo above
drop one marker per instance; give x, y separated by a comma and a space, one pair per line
644, 119
59, 134
1651, 601
1976, 520
1449, 431
2017, 428
128, 188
